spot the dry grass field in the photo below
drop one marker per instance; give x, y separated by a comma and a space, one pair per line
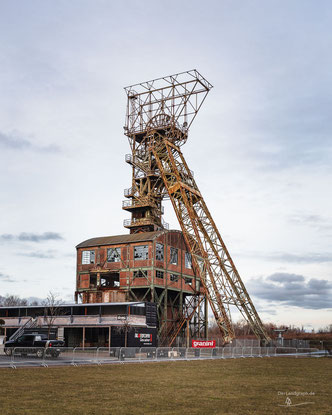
236, 387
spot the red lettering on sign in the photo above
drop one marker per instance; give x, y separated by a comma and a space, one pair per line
203, 344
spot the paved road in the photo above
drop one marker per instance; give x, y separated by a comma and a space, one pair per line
78, 358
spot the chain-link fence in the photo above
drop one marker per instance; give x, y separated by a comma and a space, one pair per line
37, 356
292, 343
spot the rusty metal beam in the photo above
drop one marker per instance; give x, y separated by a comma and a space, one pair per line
159, 114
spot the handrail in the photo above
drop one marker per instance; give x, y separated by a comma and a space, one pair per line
32, 322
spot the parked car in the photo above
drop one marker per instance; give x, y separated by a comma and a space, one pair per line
37, 344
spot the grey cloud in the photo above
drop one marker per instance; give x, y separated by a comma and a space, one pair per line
307, 218
281, 277
6, 278
293, 290
262, 309
314, 221
10, 141
46, 236
40, 254
32, 237
305, 258
310, 258
15, 142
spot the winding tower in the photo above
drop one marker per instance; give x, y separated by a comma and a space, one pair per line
159, 115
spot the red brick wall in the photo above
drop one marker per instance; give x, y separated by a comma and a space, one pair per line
128, 264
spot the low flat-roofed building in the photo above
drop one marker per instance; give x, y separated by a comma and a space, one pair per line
86, 325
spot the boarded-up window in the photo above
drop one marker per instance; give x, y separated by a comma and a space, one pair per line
113, 254
84, 281
187, 260
174, 256
141, 252
88, 257
159, 252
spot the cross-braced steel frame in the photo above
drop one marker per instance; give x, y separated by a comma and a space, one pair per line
159, 114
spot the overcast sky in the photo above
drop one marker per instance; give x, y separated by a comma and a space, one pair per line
260, 146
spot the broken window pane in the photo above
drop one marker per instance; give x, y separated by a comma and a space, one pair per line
88, 257
201, 264
141, 252
174, 256
187, 260
140, 274
174, 277
188, 281
159, 252
113, 255
110, 280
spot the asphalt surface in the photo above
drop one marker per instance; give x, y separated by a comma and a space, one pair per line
79, 358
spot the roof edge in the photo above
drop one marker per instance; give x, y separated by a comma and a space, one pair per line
124, 239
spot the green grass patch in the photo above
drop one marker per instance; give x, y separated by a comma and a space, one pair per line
233, 386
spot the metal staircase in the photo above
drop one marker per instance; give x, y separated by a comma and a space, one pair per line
31, 323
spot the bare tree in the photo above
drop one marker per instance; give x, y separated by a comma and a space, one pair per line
2, 322
12, 301
125, 328
34, 303
52, 307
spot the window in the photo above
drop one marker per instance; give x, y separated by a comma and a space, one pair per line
188, 281
113, 255
88, 257
140, 274
201, 264
110, 280
24, 339
93, 280
187, 260
174, 256
174, 277
159, 252
160, 275
141, 252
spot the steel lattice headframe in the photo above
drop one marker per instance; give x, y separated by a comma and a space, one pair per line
159, 114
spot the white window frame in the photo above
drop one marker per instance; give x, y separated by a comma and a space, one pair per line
88, 257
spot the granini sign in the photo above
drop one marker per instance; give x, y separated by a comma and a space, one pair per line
198, 344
